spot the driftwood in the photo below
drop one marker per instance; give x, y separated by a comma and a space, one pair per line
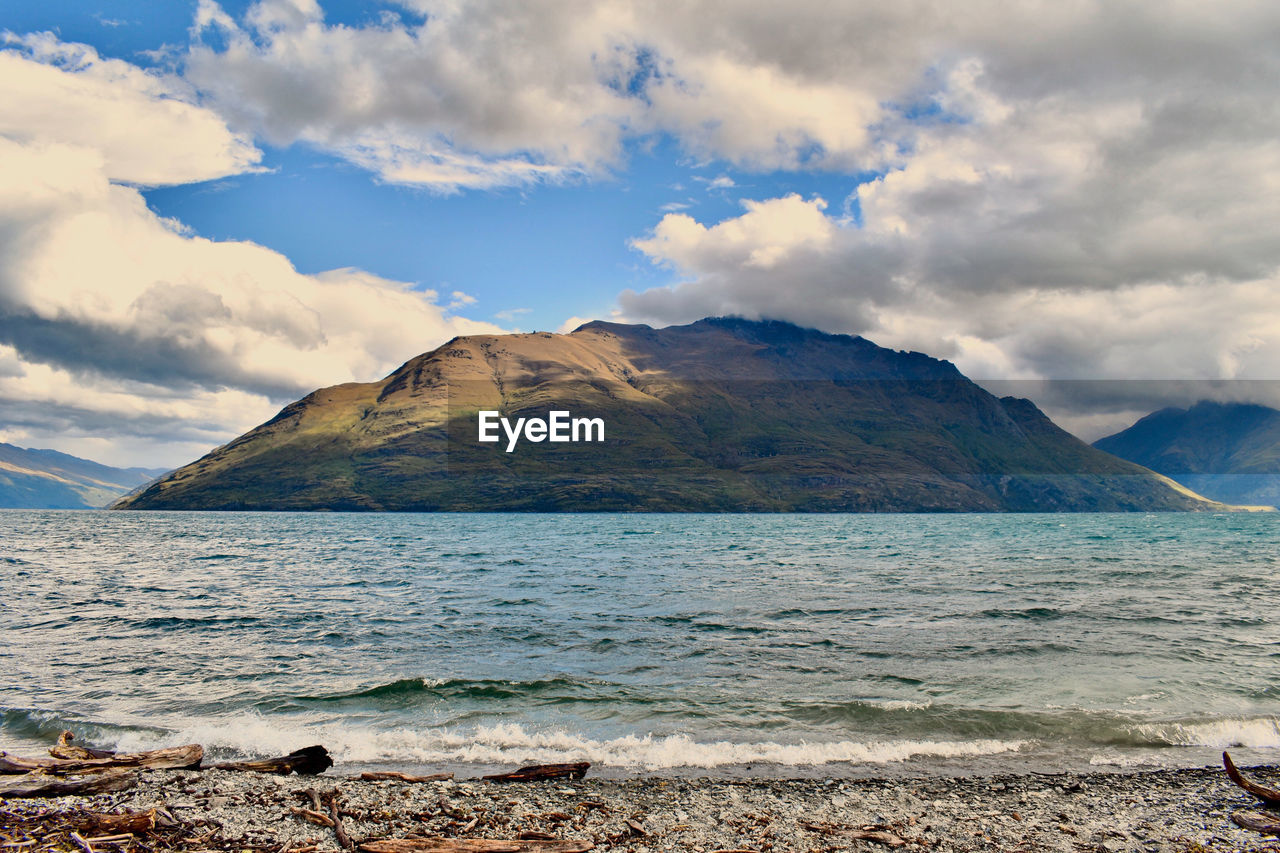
312, 816
473, 845
181, 757
109, 824
542, 771
67, 750
307, 761
38, 784
385, 775
879, 836
335, 814
1267, 824
1270, 796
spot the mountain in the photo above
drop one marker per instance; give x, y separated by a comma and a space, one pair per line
1226, 451
720, 415
47, 479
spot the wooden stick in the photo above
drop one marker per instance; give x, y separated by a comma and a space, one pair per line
81, 843
542, 771
473, 845
312, 816
65, 749
129, 822
315, 799
1258, 822
386, 775
1262, 792
343, 840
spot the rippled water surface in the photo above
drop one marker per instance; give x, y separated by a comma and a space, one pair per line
785, 644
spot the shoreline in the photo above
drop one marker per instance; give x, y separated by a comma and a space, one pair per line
1151, 810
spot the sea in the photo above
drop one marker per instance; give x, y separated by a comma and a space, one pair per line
678, 645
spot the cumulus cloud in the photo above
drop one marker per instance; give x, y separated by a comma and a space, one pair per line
490, 93
110, 311
147, 128
1042, 189
1085, 196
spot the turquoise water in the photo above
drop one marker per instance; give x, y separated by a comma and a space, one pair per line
762, 644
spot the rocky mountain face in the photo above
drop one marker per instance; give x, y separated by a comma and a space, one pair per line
47, 479
1227, 451
720, 415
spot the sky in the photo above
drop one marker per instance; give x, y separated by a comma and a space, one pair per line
209, 209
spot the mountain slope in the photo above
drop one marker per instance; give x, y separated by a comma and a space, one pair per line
47, 479
1227, 451
719, 415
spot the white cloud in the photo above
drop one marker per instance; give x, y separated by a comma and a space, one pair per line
1090, 195
147, 128
108, 311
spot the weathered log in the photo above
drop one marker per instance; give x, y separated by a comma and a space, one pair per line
307, 761
335, 813
180, 757
391, 775
1267, 824
108, 824
473, 845
542, 771
38, 784
67, 750
312, 816
879, 836
1262, 792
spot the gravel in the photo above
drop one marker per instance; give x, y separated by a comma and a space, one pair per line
1167, 810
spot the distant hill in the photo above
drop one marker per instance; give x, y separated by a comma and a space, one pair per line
1227, 451
47, 479
720, 415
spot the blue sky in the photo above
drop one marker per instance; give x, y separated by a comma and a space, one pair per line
211, 208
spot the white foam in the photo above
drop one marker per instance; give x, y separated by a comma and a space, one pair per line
1254, 733
511, 743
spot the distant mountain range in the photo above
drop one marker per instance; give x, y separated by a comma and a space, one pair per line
47, 479
1227, 451
719, 415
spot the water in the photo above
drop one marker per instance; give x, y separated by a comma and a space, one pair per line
682, 644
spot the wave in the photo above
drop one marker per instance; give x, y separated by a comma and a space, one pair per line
1253, 733
511, 743
461, 688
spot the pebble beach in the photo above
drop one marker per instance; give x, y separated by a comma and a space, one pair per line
1167, 810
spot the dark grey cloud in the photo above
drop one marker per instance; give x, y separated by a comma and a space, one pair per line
99, 350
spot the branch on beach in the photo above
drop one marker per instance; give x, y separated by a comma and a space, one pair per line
40, 784
308, 761
473, 845
335, 813
542, 771
1271, 796
65, 749
391, 775
1258, 822
113, 824
170, 758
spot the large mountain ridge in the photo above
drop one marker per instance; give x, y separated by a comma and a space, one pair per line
723, 414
